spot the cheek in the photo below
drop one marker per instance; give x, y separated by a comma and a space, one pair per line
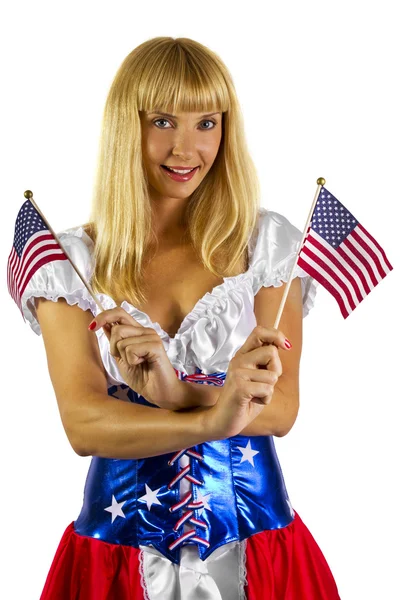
210, 149
153, 146
153, 150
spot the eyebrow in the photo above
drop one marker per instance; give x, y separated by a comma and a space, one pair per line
156, 112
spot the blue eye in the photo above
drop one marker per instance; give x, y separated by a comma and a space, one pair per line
158, 120
204, 129
210, 121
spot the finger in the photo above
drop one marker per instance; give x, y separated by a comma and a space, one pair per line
264, 357
112, 315
120, 332
146, 347
261, 392
263, 335
259, 375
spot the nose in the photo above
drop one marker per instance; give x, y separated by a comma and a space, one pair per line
184, 145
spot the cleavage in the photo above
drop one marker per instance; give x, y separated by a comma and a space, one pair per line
176, 283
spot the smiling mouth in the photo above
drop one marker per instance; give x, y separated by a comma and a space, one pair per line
179, 171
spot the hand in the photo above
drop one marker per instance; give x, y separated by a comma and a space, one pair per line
141, 358
249, 383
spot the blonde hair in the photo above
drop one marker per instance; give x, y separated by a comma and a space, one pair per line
167, 74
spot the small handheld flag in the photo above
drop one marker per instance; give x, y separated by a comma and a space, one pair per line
338, 252
35, 244
341, 254
33, 247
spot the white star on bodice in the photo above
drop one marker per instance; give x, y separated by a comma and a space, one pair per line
248, 453
204, 499
116, 509
150, 497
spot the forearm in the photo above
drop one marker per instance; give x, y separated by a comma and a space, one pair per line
276, 418
113, 428
192, 395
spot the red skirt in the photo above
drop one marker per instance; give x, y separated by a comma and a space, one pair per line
281, 564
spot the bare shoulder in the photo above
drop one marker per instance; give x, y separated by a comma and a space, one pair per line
73, 357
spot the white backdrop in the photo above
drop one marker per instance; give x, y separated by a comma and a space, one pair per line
318, 86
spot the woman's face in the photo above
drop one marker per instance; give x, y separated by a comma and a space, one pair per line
184, 140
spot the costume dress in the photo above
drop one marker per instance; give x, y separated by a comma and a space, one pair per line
210, 522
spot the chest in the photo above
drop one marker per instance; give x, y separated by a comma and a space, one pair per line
176, 280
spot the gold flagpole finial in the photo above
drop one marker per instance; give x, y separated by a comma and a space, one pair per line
28, 194
320, 181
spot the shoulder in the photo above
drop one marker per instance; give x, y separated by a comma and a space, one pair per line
79, 248
276, 239
275, 249
53, 278
275, 227
77, 235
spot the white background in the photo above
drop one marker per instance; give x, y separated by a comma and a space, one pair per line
318, 86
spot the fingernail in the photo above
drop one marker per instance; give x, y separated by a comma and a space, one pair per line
287, 343
92, 325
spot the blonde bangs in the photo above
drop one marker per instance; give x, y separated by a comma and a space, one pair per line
173, 80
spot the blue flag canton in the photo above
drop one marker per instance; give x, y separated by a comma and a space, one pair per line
331, 220
27, 224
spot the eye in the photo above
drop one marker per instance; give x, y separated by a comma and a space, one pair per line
210, 121
158, 120
204, 129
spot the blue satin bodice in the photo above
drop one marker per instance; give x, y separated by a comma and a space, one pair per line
236, 490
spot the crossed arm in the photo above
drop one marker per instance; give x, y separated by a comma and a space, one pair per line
279, 416
97, 425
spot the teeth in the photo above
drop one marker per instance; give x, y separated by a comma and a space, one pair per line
181, 172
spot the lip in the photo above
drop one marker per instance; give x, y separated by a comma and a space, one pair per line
181, 168
179, 177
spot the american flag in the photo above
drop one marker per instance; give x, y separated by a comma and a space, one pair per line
34, 245
341, 254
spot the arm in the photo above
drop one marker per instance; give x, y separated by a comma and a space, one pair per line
278, 417
95, 423
114, 428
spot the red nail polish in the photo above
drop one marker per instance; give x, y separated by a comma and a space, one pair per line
92, 325
287, 343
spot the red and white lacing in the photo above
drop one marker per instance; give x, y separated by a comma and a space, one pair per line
202, 378
187, 501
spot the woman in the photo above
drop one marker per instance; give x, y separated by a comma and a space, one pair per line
184, 497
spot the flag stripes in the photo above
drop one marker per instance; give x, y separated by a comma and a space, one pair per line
349, 264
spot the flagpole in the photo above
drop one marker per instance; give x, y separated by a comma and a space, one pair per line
29, 195
320, 183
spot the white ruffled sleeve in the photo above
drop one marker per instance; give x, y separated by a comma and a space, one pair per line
274, 253
58, 279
